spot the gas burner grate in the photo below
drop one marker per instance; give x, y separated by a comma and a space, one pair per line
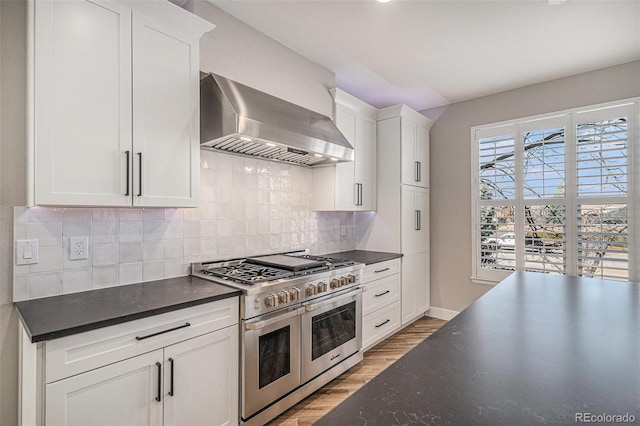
247, 273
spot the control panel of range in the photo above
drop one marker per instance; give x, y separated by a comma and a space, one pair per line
305, 291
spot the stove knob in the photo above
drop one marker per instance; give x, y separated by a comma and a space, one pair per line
311, 289
294, 294
352, 279
271, 301
283, 296
322, 287
335, 283
343, 281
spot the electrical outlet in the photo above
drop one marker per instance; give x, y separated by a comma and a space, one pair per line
78, 248
343, 230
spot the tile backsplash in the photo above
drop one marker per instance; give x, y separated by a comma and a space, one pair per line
247, 207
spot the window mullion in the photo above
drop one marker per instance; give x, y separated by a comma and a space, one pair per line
634, 191
519, 197
571, 190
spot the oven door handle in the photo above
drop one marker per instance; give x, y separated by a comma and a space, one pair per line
261, 324
314, 306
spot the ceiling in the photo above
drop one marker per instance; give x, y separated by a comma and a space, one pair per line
431, 53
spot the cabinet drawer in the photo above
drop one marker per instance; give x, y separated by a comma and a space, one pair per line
81, 352
376, 271
379, 324
380, 293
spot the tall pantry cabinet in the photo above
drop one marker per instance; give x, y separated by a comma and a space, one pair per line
401, 223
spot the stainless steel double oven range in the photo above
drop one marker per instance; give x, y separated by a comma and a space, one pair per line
301, 325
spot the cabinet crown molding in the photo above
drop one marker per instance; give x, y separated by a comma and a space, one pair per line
404, 111
343, 98
171, 14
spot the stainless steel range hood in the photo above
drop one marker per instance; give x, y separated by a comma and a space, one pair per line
237, 119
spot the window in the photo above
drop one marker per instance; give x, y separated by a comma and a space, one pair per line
556, 194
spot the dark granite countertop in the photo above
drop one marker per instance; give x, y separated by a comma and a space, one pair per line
365, 256
52, 317
536, 349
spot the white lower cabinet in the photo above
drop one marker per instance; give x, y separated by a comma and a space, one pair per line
177, 368
380, 301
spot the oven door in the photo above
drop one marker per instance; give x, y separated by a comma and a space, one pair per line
331, 331
270, 358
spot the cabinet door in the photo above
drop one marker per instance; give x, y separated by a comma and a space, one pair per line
422, 207
408, 152
166, 115
82, 103
423, 282
409, 290
365, 164
123, 393
409, 219
201, 380
422, 155
345, 188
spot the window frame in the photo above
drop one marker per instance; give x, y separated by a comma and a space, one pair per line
569, 119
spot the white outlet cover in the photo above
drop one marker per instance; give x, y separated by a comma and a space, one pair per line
78, 248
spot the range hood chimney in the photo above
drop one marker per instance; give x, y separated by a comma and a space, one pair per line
238, 119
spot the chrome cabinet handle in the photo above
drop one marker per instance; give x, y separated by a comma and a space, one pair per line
360, 194
417, 171
383, 293
419, 179
419, 220
381, 270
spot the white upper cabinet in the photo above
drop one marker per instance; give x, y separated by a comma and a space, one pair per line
114, 103
414, 150
350, 186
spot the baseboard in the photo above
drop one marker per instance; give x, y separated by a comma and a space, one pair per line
441, 313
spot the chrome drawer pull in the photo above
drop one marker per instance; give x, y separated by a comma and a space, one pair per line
162, 332
383, 323
383, 293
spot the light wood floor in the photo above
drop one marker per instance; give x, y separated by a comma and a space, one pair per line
376, 359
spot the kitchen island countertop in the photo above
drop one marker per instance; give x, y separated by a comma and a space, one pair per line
365, 256
536, 349
57, 316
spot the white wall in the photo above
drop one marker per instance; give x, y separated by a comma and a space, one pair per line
239, 52
451, 287
12, 188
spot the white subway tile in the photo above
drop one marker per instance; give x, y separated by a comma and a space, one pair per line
175, 268
209, 249
130, 214
45, 284
130, 252
209, 228
49, 259
107, 215
153, 270
153, 250
105, 276
173, 215
105, 254
193, 214
48, 234
192, 247
173, 249
20, 231
225, 228
174, 230
192, 228
77, 280
129, 273
76, 215
76, 229
45, 214
153, 214
153, 230
238, 227
104, 232
130, 230
20, 288
20, 214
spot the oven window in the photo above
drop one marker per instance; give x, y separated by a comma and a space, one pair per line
332, 329
275, 355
